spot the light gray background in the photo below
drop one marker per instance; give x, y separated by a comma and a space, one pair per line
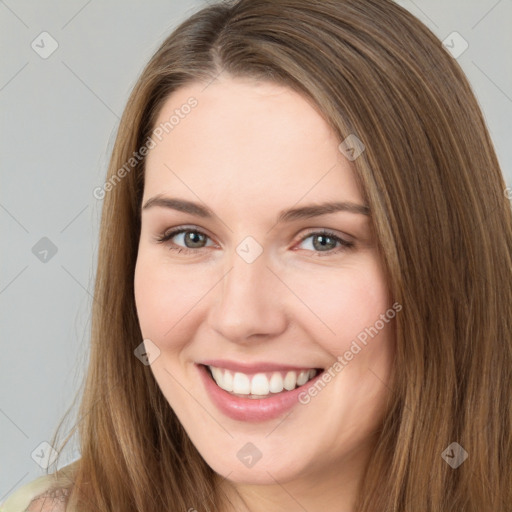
59, 117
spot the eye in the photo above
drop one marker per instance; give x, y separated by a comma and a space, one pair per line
325, 242
322, 241
193, 237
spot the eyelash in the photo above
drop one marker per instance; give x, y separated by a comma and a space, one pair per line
345, 245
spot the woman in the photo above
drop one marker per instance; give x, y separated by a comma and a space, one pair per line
340, 337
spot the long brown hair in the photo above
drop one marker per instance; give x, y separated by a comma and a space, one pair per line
444, 228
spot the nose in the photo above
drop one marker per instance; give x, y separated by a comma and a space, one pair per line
249, 303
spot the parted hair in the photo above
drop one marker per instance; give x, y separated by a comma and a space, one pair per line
433, 184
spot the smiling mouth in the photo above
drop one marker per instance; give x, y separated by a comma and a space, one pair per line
262, 384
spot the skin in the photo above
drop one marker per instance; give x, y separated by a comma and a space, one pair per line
248, 150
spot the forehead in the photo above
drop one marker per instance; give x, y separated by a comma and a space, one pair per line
246, 139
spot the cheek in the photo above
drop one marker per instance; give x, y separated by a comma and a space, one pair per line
344, 304
334, 306
154, 294
166, 300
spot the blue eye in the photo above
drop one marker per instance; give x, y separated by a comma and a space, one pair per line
194, 239
198, 238
324, 237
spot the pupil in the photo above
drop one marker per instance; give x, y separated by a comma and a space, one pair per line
323, 238
193, 237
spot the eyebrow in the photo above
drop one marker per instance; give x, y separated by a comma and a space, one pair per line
303, 212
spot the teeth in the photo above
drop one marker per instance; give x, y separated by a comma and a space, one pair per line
276, 383
227, 380
241, 384
303, 378
216, 372
260, 385
290, 381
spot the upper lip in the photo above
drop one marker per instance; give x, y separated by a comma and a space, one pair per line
256, 367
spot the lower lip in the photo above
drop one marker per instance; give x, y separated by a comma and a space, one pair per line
249, 409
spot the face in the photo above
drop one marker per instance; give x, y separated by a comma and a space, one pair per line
270, 333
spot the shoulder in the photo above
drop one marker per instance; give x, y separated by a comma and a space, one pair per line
48, 493
21, 498
50, 501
